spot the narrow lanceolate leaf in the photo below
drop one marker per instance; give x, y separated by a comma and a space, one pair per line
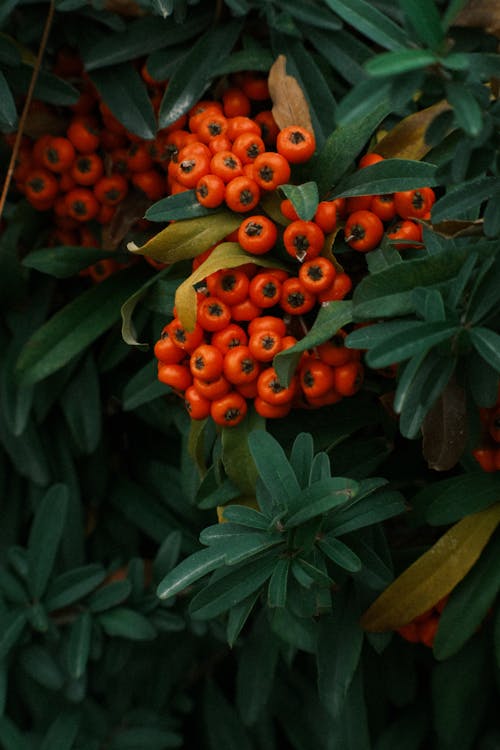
79, 645
321, 497
226, 255
487, 344
125, 93
344, 145
45, 537
231, 588
290, 106
402, 61
189, 238
433, 575
277, 589
8, 112
398, 347
425, 19
461, 198
177, 207
273, 467
370, 22
387, 176
189, 571
64, 261
12, 625
407, 139
193, 74
76, 326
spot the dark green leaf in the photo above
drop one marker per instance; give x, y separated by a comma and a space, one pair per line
367, 511
407, 732
461, 198
469, 603
369, 337
79, 645
41, 665
487, 344
454, 498
424, 17
256, 666
231, 588
466, 108
402, 61
8, 112
10, 736
304, 197
370, 22
127, 623
49, 88
73, 585
340, 639
62, 732
429, 382
192, 76
387, 176
9, 52
141, 737
458, 713
143, 388
142, 37
277, 589
45, 536
321, 497
238, 615
12, 625
301, 457
224, 729
273, 468
340, 554
344, 145
109, 595
399, 346
177, 207
243, 546
482, 380
125, 93
244, 516
81, 405
190, 570
76, 326
64, 261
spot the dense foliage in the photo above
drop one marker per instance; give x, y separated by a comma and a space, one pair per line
329, 576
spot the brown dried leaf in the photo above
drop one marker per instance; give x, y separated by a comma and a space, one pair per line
484, 14
407, 139
457, 228
290, 105
128, 212
444, 429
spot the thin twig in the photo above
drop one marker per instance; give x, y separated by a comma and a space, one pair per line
29, 97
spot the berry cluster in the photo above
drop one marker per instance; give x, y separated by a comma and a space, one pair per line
488, 454
367, 217
423, 628
245, 316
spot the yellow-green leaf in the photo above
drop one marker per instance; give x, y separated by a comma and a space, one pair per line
433, 575
225, 255
188, 238
407, 139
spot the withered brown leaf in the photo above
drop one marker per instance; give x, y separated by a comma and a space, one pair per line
407, 139
444, 429
484, 14
290, 105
